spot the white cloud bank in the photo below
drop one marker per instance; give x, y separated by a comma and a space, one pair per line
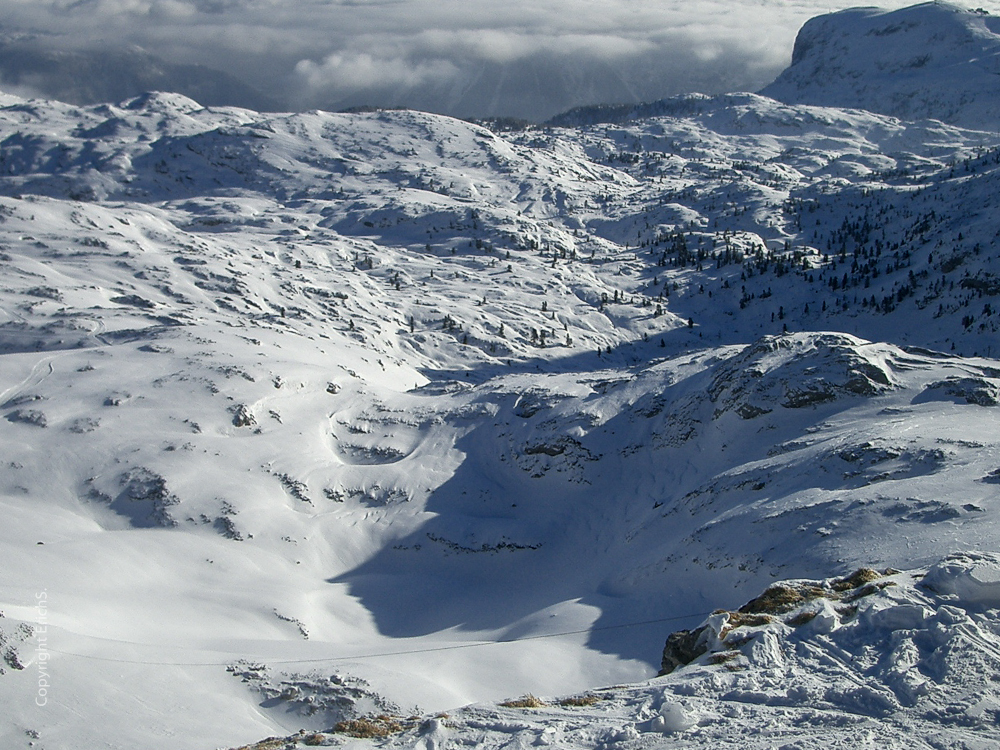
514, 57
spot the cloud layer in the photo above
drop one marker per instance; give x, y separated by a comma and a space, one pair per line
487, 58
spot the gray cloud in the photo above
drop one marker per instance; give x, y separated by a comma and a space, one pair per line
517, 57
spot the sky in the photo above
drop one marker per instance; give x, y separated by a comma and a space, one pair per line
470, 58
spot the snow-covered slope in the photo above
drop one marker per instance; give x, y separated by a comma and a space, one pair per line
866, 660
453, 416
933, 60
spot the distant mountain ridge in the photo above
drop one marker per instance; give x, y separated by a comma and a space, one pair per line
88, 76
929, 61
932, 60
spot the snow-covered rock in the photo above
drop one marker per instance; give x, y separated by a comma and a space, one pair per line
972, 579
901, 667
932, 60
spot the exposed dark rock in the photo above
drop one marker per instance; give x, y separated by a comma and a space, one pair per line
788, 598
24, 398
145, 499
795, 371
28, 416
243, 416
319, 699
683, 647
84, 424
977, 391
133, 300
225, 526
796, 399
779, 599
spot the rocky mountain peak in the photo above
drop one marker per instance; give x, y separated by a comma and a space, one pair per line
933, 60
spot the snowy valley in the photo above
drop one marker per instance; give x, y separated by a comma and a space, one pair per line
309, 418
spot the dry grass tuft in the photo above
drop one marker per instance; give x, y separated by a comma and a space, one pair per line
313, 740
780, 599
859, 577
743, 619
370, 727
580, 700
722, 657
847, 612
271, 743
867, 590
801, 618
528, 701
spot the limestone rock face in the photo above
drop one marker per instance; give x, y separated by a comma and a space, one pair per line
932, 60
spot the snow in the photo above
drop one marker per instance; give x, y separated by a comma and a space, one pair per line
932, 60
673, 718
972, 579
882, 677
312, 416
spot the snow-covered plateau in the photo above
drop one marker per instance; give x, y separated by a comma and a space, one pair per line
316, 426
